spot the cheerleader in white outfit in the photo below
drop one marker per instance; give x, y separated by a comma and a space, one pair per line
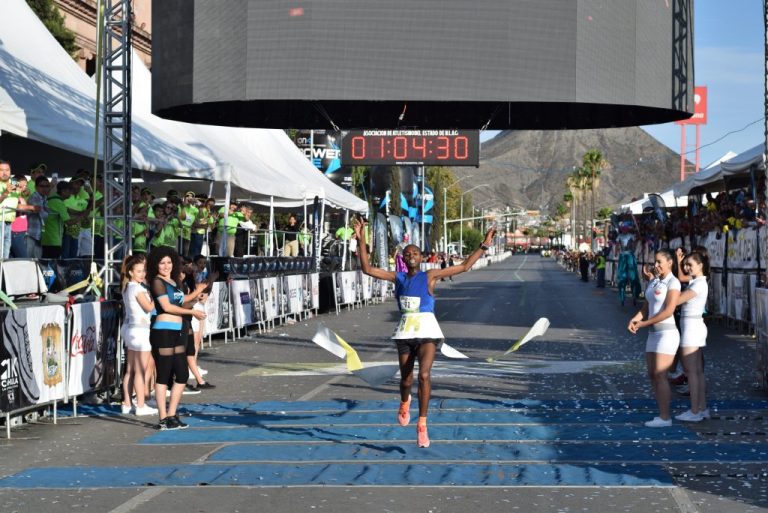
417, 335
694, 333
663, 339
138, 306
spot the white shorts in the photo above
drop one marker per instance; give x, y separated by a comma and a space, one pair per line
136, 338
664, 341
694, 332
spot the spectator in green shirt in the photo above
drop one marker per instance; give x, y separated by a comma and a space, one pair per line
77, 203
233, 218
58, 217
188, 216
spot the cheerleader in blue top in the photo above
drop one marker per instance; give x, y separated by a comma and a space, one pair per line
418, 334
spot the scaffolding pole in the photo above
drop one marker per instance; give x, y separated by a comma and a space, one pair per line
117, 137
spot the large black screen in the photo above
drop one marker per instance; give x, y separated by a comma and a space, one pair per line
423, 63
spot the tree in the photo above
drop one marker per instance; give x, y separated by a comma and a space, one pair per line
439, 178
604, 213
592, 166
472, 240
359, 175
53, 20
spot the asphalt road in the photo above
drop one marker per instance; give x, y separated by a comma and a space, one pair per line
556, 426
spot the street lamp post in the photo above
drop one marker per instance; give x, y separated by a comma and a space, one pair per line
461, 216
445, 210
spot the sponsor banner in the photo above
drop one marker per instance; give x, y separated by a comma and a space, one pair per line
312, 284
761, 328
366, 285
18, 386
742, 249
269, 296
738, 300
715, 244
716, 300
257, 306
45, 326
295, 293
240, 292
93, 346
83, 347
346, 285
217, 309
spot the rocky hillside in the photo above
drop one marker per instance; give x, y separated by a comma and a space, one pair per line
529, 168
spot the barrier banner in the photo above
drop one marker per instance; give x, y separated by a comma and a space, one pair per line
715, 244
45, 326
106, 343
82, 352
240, 292
763, 241
761, 328
18, 387
716, 301
367, 286
257, 305
293, 288
742, 249
217, 309
738, 302
269, 297
311, 291
93, 346
345, 287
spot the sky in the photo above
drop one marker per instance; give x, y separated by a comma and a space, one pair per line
728, 59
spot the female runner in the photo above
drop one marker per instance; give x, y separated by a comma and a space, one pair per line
417, 335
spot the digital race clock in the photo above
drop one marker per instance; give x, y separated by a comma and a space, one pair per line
411, 147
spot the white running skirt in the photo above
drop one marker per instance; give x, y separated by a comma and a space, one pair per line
694, 332
418, 325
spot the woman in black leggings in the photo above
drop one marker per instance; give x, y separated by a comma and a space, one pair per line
169, 342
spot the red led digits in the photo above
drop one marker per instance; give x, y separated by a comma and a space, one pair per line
461, 148
420, 145
358, 148
400, 148
444, 145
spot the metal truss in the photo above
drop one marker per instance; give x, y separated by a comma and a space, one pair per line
117, 136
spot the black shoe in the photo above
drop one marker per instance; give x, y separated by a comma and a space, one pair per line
205, 386
191, 389
167, 424
179, 423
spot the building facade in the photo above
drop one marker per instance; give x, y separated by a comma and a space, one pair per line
80, 18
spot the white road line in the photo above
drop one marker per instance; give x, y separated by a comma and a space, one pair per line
133, 503
525, 259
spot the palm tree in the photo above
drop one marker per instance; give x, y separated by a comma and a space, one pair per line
593, 165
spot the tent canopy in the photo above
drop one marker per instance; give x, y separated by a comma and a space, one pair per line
262, 165
46, 98
730, 167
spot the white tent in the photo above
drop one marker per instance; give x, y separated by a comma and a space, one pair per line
729, 165
45, 97
262, 165
638, 206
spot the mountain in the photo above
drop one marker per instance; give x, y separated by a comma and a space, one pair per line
529, 168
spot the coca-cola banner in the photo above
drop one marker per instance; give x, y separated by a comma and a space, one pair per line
93, 346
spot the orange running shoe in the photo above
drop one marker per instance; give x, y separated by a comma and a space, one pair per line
422, 438
404, 413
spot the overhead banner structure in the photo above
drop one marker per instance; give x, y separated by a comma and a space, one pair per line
323, 149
